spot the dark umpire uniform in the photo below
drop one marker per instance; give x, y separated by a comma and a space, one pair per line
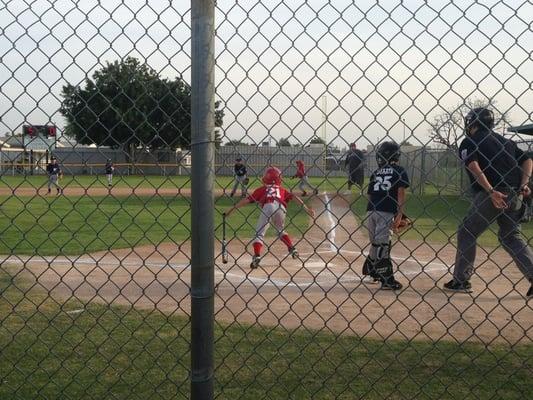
499, 172
354, 161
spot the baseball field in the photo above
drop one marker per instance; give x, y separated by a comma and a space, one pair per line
95, 299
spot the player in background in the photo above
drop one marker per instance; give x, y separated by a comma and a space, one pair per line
386, 198
53, 170
273, 199
356, 173
241, 178
109, 169
304, 181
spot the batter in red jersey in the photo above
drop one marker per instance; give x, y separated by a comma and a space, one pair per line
273, 199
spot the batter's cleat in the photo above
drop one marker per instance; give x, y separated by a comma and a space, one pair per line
391, 284
304, 193
255, 262
458, 287
293, 253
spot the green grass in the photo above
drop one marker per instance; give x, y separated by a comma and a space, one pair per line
436, 217
331, 184
125, 353
77, 225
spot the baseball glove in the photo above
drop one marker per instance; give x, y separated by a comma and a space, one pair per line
246, 181
405, 224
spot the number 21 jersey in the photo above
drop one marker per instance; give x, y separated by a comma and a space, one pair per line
270, 194
383, 188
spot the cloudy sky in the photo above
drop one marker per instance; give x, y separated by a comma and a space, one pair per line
378, 63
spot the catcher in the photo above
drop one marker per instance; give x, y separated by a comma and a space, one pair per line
386, 199
273, 199
241, 178
54, 173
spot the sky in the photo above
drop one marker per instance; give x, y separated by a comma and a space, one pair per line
384, 67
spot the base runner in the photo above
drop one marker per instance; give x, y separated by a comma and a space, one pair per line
273, 199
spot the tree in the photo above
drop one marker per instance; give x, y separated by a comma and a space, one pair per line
235, 143
127, 104
447, 128
284, 142
317, 140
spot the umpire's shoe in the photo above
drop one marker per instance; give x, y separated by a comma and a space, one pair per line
458, 287
529, 294
255, 262
391, 284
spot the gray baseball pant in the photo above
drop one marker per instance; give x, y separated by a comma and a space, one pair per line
378, 224
52, 181
239, 180
271, 213
481, 215
304, 181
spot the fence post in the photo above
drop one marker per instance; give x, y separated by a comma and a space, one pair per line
422, 171
202, 201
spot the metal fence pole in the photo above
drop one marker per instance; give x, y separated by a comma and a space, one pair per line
202, 209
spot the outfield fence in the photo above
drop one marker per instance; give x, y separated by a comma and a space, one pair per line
164, 285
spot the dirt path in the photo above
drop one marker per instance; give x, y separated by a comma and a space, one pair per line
323, 290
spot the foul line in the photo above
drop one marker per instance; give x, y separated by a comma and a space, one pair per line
331, 234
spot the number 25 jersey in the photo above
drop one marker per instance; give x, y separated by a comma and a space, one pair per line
383, 188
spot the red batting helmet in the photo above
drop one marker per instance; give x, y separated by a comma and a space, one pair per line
272, 176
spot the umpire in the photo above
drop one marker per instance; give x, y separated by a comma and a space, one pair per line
354, 162
499, 173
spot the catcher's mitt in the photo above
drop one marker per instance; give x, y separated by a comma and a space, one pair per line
405, 224
246, 181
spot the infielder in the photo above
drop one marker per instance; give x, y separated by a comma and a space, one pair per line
273, 199
386, 198
241, 178
54, 172
304, 181
109, 169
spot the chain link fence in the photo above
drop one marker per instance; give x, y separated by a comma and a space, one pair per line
135, 263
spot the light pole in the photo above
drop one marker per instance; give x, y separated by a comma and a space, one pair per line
403, 120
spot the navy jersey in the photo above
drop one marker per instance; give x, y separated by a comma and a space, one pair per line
240, 170
499, 158
109, 168
354, 159
383, 188
53, 169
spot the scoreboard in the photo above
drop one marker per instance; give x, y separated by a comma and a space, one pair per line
43, 131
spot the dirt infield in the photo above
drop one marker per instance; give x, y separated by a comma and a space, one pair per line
322, 290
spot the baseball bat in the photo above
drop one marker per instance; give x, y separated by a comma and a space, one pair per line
224, 250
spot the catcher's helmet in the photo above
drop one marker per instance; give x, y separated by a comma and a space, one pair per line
272, 176
480, 117
387, 152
